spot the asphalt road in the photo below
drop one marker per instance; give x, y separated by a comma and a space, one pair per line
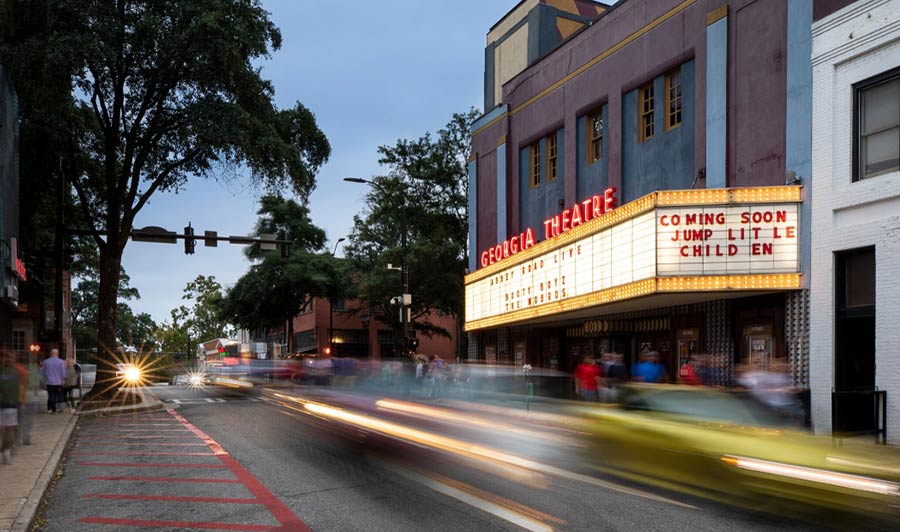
251, 460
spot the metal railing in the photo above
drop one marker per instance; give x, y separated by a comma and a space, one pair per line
859, 412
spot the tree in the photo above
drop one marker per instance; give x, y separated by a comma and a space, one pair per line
427, 175
276, 288
162, 91
203, 319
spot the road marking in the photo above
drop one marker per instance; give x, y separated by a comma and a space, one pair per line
220, 400
98, 443
180, 524
497, 509
140, 453
143, 464
176, 401
254, 399
169, 498
208, 400
169, 479
289, 521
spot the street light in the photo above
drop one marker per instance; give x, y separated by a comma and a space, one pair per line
405, 298
331, 302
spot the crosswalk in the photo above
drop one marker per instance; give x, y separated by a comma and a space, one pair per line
215, 400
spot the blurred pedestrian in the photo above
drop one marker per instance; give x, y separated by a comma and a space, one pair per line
650, 369
73, 378
437, 375
31, 401
704, 369
687, 373
613, 376
54, 371
588, 376
12, 390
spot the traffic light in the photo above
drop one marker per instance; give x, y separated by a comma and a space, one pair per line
34, 348
327, 350
189, 241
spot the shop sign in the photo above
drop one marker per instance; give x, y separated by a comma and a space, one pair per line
589, 209
688, 241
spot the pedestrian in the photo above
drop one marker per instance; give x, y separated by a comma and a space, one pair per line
613, 376
437, 375
32, 400
650, 369
54, 371
587, 377
687, 373
12, 390
73, 378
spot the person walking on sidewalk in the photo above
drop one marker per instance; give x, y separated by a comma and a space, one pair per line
73, 378
12, 389
31, 401
54, 371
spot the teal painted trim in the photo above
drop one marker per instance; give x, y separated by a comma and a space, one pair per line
501, 192
486, 118
489, 76
798, 133
473, 215
716, 103
542, 32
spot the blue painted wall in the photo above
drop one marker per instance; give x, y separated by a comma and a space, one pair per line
473, 216
502, 200
591, 179
666, 161
717, 103
539, 203
798, 136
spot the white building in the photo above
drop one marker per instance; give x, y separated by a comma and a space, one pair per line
855, 273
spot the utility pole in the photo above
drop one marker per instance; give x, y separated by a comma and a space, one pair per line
58, 258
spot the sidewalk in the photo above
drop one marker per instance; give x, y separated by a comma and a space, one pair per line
27, 478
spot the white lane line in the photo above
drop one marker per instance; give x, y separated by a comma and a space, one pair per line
497, 510
220, 400
176, 401
253, 399
208, 400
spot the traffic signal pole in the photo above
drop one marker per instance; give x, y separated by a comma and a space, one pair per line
58, 259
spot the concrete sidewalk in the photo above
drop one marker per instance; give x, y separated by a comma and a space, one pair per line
25, 481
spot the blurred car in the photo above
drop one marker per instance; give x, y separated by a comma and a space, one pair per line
729, 447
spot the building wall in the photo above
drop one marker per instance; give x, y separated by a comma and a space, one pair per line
850, 45
9, 197
591, 178
538, 201
665, 161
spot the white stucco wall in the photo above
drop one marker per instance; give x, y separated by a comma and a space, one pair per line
851, 45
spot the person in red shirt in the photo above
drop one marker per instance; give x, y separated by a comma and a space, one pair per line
587, 377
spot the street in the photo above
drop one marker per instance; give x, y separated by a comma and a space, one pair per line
227, 460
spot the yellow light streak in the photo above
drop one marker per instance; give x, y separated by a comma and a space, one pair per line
822, 476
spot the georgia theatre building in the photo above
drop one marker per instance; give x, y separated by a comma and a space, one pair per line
638, 184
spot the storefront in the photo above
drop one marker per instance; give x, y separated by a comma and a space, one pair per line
676, 272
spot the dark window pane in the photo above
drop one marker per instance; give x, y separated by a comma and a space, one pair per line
860, 289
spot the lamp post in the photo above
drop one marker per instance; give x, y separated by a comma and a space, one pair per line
331, 302
405, 298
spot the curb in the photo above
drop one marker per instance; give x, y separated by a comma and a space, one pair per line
22, 522
153, 403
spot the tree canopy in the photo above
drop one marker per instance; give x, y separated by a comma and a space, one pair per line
277, 287
426, 177
146, 94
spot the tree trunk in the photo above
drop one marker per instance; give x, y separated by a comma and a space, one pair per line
107, 355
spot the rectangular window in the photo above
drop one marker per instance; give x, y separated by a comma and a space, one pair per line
18, 340
535, 164
673, 99
594, 136
551, 157
645, 112
877, 126
339, 304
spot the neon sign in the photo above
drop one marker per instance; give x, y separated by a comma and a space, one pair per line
580, 213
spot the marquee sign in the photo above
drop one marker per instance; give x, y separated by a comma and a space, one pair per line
681, 239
